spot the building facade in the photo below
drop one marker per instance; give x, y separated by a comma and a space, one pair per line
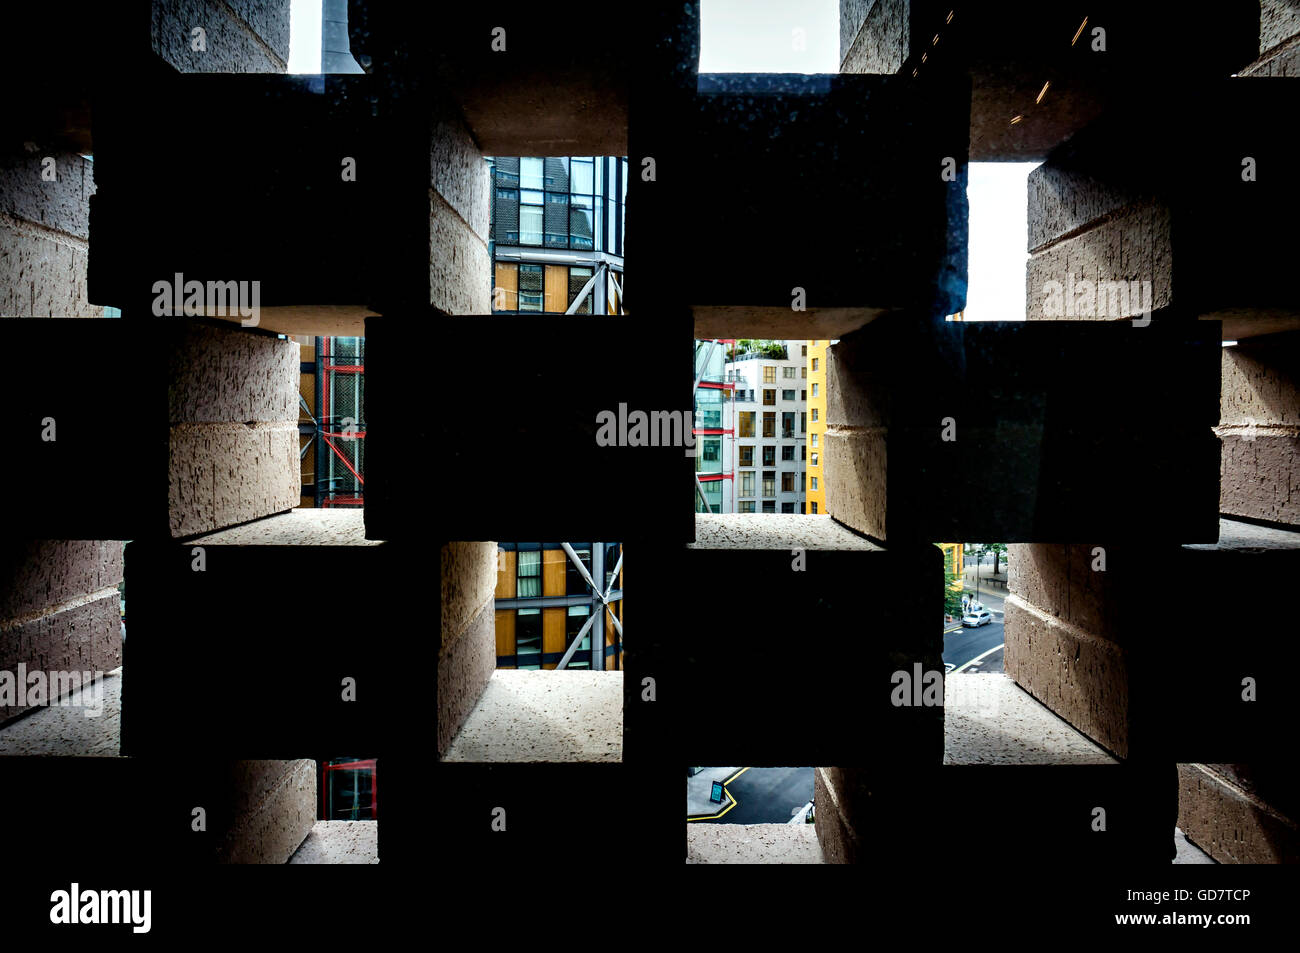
544, 603
815, 479
771, 399
556, 234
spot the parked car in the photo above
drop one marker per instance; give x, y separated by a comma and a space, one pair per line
977, 618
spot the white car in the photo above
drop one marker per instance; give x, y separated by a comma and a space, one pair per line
977, 618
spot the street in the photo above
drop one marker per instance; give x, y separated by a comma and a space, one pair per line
768, 795
962, 645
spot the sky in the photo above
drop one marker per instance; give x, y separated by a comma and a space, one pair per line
760, 36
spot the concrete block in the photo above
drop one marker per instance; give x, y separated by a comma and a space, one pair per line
42, 274
578, 424
62, 205
1279, 21
752, 844
83, 636
272, 810
226, 375
458, 173
1092, 644
40, 574
458, 260
65, 730
1231, 824
874, 36
465, 666
339, 842
797, 166
243, 36
1044, 451
223, 474
1281, 62
468, 573
826, 573
544, 716
324, 678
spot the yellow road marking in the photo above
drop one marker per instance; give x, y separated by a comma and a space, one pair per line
734, 802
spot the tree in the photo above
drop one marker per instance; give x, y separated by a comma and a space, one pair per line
997, 549
951, 592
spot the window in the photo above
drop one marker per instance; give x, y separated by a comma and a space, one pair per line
787, 395
747, 453
787, 424
769, 424
769, 485
769, 375
530, 174
747, 506
713, 449
814, 459
787, 507
746, 425
528, 575
578, 278
787, 453
577, 618
787, 481
804, 351
769, 397
814, 415
804, 371
815, 362
803, 452
769, 506
574, 585
813, 504
769, 456
803, 395
814, 388
747, 484
801, 506
787, 372
814, 440
530, 287
611, 560
528, 636
814, 483
530, 224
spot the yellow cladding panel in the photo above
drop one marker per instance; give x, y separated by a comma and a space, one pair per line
505, 633
552, 632
506, 585
554, 562
816, 426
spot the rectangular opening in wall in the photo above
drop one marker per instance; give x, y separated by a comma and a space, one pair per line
750, 815
556, 234
974, 588
331, 422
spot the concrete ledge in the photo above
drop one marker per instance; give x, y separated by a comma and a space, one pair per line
753, 531
274, 810
544, 716
299, 527
989, 719
220, 474
1229, 823
339, 842
752, 844
65, 731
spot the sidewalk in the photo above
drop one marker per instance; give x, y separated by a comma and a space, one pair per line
700, 785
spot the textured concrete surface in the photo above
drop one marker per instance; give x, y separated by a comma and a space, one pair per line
458, 173
65, 731
82, 635
274, 809
873, 36
227, 473
782, 531
1082, 678
1260, 428
839, 842
62, 205
456, 256
340, 842
752, 844
544, 716
465, 664
298, 527
1229, 823
227, 375
989, 719
729, 321
42, 273
1279, 21
468, 574
40, 573
856, 466
242, 36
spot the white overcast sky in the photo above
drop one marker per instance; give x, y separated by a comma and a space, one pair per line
741, 36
